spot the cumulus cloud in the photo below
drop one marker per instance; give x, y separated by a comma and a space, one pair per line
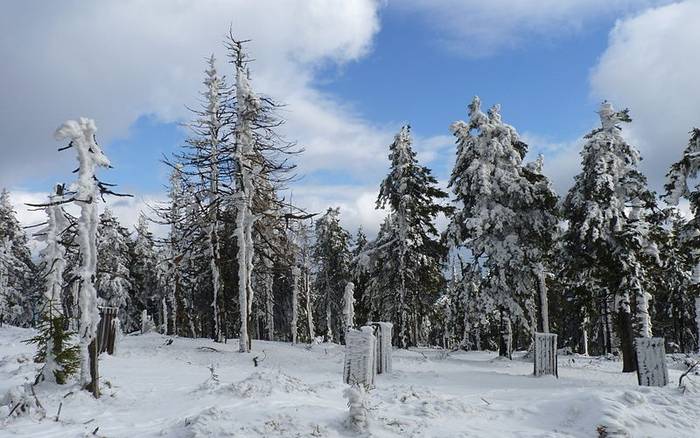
117, 60
478, 28
650, 66
562, 160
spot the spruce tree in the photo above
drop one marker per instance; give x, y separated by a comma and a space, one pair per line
406, 267
603, 246
506, 218
331, 254
54, 349
359, 276
677, 188
143, 271
113, 279
18, 288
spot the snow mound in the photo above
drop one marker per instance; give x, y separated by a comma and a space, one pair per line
216, 422
264, 383
426, 403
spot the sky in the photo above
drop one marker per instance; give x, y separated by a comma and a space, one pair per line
350, 73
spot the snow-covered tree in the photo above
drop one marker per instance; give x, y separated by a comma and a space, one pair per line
677, 188
17, 271
673, 304
603, 244
81, 134
60, 358
248, 171
505, 217
144, 270
331, 254
404, 263
113, 279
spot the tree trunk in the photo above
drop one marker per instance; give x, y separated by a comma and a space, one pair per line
505, 336
94, 385
584, 336
629, 362
544, 303
697, 321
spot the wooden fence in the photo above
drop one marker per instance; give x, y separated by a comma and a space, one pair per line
545, 354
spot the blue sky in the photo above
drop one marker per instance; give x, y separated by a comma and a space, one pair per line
351, 73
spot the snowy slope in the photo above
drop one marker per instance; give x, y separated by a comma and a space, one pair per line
154, 389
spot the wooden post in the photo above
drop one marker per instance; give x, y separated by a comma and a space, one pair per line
383, 333
94, 385
651, 362
545, 354
359, 367
107, 330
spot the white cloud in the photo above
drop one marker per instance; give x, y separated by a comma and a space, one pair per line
562, 160
479, 27
651, 67
357, 204
117, 60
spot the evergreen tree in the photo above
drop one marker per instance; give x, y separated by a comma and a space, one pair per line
673, 318
405, 268
61, 359
18, 288
143, 271
360, 277
603, 245
677, 188
506, 217
331, 254
113, 280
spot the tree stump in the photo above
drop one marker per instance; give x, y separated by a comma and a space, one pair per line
651, 362
545, 354
360, 348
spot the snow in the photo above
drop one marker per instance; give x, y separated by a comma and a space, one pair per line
158, 390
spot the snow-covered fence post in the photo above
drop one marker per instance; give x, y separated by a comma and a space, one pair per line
545, 354
651, 362
81, 134
360, 347
383, 351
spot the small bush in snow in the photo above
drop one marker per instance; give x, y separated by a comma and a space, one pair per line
358, 416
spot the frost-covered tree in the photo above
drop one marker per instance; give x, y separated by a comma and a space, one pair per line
673, 304
606, 235
113, 279
360, 277
61, 359
505, 217
248, 172
677, 188
205, 169
81, 134
17, 271
331, 255
144, 270
405, 264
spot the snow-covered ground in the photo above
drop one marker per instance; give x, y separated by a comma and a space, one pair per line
152, 388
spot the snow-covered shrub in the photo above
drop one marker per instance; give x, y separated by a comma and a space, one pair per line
147, 324
20, 401
358, 415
